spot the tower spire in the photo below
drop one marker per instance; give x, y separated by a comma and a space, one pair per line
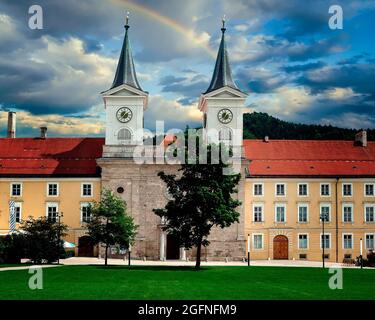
222, 75
125, 73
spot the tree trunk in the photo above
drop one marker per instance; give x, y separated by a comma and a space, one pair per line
106, 255
198, 259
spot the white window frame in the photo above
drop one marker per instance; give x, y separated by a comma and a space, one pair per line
52, 204
307, 189
18, 205
83, 204
330, 240
92, 190
325, 204
364, 189
351, 189
283, 205
299, 205
369, 234
58, 189
343, 242
253, 241
308, 241
258, 195
280, 183
11, 189
329, 189
257, 204
344, 205
368, 205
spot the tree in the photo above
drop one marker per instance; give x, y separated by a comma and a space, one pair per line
200, 199
43, 238
109, 223
12, 248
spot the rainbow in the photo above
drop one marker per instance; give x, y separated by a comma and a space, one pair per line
183, 30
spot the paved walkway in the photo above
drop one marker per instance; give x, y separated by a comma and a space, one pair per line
273, 263
27, 267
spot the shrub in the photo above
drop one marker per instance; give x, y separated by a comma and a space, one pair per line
43, 239
12, 248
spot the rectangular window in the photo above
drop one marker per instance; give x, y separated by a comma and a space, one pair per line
258, 189
325, 189
369, 212
16, 189
303, 189
52, 211
369, 189
280, 189
280, 213
85, 212
53, 189
18, 211
303, 215
347, 190
325, 241
258, 241
258, 213
302, 241
347, 214
347, 241
325, 211
86, 189
370, 241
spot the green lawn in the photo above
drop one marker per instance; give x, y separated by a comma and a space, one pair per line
115, 282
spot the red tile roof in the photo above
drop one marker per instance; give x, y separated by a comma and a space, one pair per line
309, 158
50, 157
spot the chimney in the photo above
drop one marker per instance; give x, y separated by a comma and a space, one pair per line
43, 132
361, 138
11, 133
266, 139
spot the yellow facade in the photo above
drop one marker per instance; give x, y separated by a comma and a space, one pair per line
292, 228
35, 198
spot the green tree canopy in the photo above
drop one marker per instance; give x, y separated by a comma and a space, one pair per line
110, 224
201, 198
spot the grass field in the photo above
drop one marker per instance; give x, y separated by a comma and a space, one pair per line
119, 282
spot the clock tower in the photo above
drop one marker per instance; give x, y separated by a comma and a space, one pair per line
124, 102
222, 104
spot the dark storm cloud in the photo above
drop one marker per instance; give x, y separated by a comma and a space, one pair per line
190, 87
304, 67
359, 77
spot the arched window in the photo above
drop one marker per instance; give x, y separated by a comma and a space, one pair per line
124, 135
225, 135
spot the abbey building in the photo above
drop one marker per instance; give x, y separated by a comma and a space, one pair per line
286, 185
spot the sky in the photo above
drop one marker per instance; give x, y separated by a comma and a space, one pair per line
283, 54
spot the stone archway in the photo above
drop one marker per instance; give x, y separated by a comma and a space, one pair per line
280, 247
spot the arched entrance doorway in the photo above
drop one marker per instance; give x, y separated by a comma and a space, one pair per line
280, 247
85, 247
173, 248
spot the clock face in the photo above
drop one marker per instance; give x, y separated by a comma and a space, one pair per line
124, 114
225, 116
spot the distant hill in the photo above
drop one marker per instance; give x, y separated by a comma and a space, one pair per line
257, 125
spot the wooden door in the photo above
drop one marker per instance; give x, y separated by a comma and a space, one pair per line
280, 247
173, 248
85, 247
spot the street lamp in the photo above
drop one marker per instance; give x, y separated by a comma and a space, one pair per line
129, 252
248, 249
59, 216
360, 252
323, 217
